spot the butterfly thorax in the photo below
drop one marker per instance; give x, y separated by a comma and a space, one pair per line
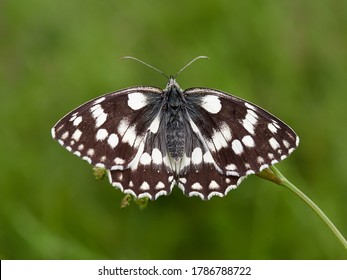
174, 109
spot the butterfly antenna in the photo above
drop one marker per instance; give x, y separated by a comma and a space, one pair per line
189, 63
148, 65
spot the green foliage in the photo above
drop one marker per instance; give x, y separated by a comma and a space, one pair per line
287, 56
99, 173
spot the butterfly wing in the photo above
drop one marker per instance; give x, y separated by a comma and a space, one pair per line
118, 132
237, 138
126, 132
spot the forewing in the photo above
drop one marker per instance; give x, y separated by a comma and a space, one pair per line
108, 130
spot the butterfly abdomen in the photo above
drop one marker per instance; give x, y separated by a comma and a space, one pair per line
175, 137
175, 116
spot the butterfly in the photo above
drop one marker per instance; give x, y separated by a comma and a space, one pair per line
204, 141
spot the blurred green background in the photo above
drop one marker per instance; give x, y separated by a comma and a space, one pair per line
290, 57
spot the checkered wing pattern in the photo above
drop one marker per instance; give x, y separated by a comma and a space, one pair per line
204, 141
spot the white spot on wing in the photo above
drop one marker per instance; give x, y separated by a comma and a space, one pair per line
231, 187
134, 163
144, 186
248, 126
232, 173
218, 140
160, 185
141, 195
226, 131
237, 147
77, 134
250, 106
113, 140
196, 186
98, 114
101, 165
211, 103
130, 135
208, 157
297, 140
118, 160
260, 160
65, 135
197, 156
145, 159
87, 159
160, 193
248, 141
155, 124
272, 128
90, 152
77, 153
74, 115
286, 143
183, 180
231, 167
157, 156
196, 194
273, 143
136, 100
101, 134
123, 126
99, 100
95, 110
100, 120
212, 194
184, 162
77, 121
251, 117
263, 167
58, 128
250, 172
53, 132
213, 185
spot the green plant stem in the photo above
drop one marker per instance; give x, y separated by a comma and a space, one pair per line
286, 183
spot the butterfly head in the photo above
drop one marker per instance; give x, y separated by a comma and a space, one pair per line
172, 84
173, 94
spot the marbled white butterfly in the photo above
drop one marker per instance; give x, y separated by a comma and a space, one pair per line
205, 141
